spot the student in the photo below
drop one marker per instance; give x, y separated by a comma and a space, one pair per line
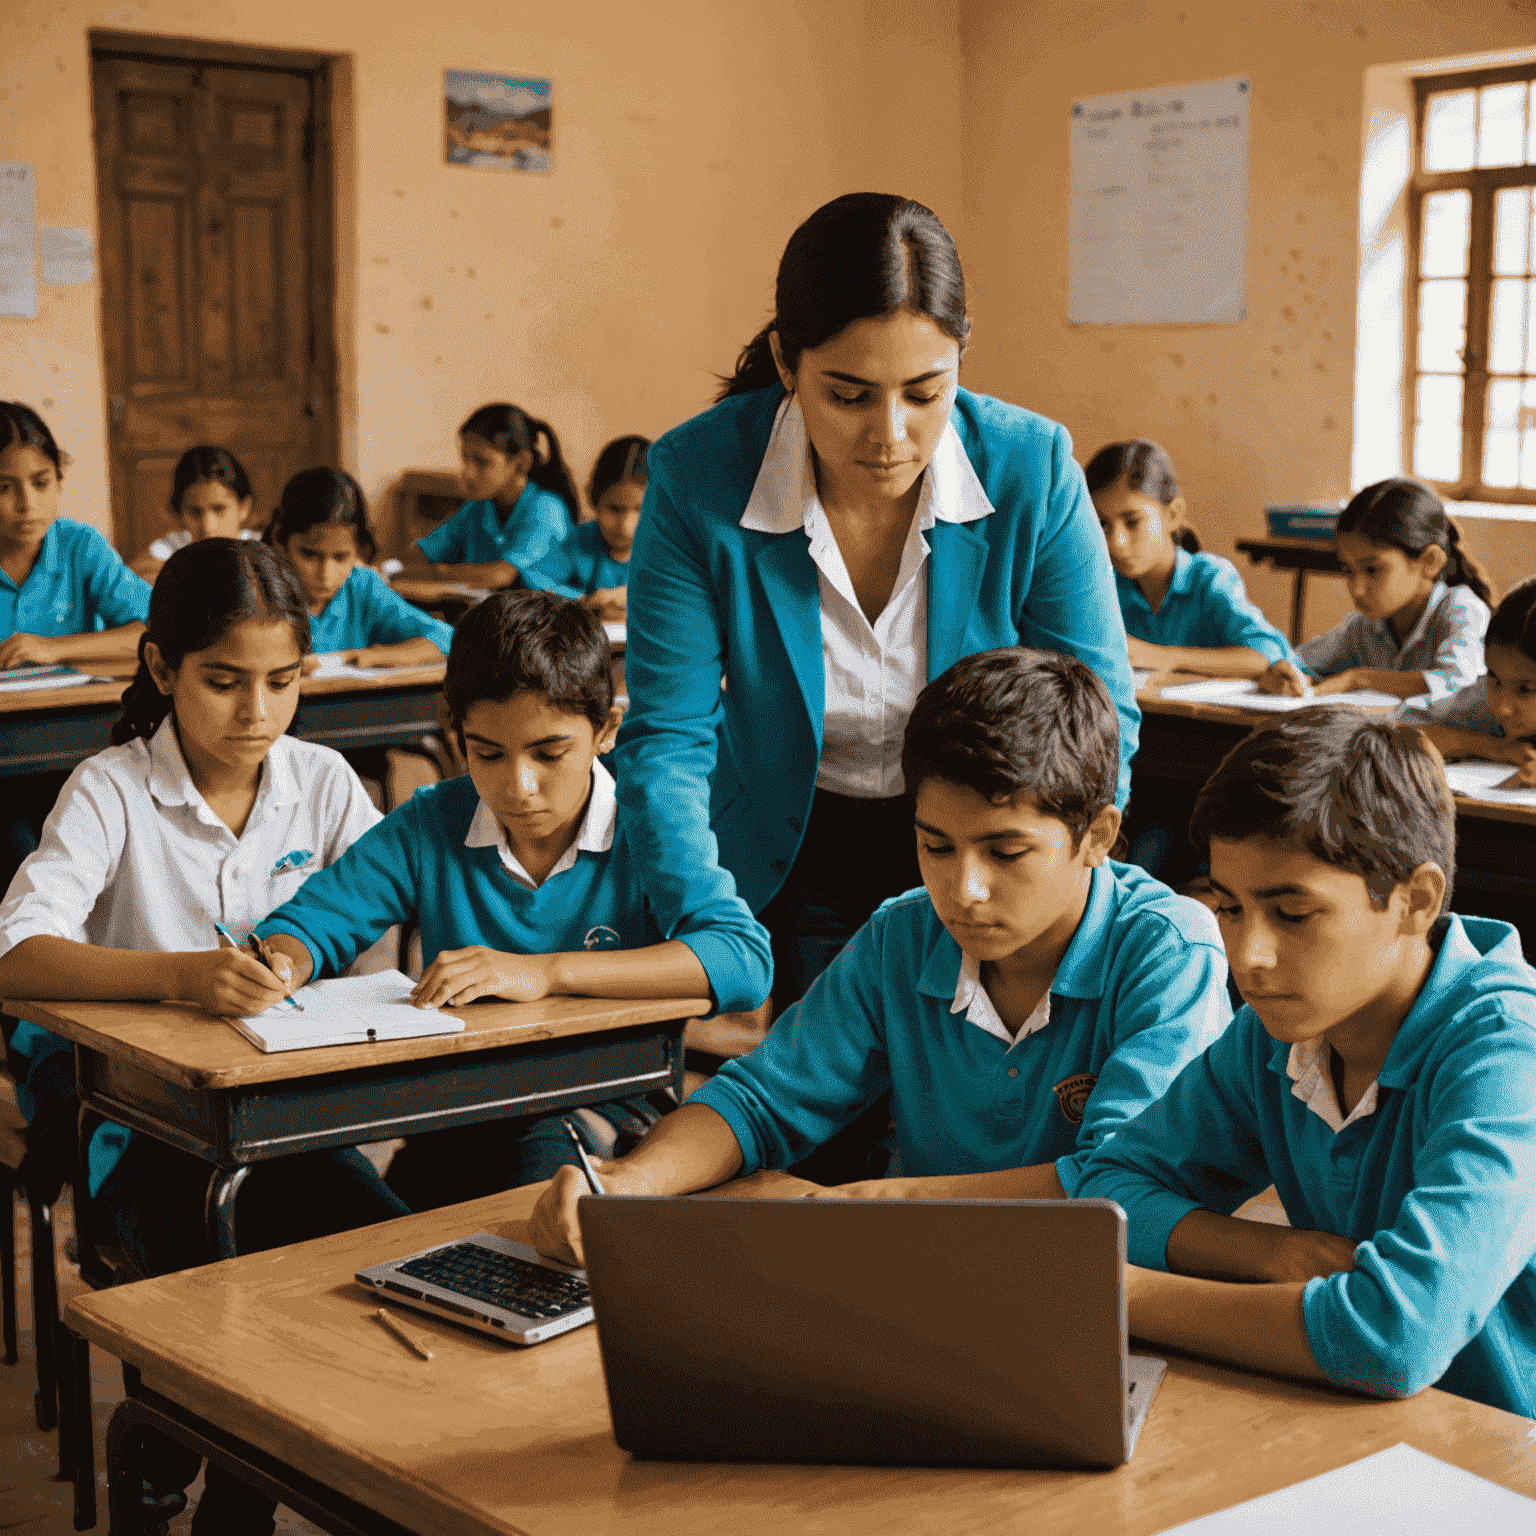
203, 812
321, 525
1494, 718
1184, 609
1421, 600
592, 564
522, 500
210, 498
1382, 1077
521, 881
1020, 1007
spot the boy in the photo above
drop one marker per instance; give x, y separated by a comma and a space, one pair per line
1382, 1076
1020, 1007
520, 881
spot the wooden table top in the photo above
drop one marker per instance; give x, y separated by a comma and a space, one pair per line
1265, 544
181, 1044
426, 588
283, 1350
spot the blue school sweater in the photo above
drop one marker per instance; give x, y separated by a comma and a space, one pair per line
1140, 991
78, 584
1206, 605
367, 611
476, 533
579, 564
1437, 1185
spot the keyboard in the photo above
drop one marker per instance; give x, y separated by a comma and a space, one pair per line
501, 1280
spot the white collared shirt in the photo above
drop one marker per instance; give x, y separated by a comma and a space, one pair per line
133, 858
874, 672
972, 1000
594, 832
1309, 1069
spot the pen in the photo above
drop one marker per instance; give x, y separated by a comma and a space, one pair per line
410, 1340
586, 1162
260, 950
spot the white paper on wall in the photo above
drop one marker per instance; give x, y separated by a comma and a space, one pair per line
18, 240
1159, 209
67, 256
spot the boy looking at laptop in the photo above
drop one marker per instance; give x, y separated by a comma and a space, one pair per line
1382, 1076
521, 883
1020, 1007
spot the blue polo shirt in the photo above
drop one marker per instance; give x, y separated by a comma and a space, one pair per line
1206, 606
417, 864
78, 584
1140, 991
368, 611
477, 533
1437, 1185
578, 564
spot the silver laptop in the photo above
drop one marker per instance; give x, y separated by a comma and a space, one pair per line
937, 1332
503, 1288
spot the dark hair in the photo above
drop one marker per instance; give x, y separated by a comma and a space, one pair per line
1146, 467
510, 430
1358, 792
1016, 721
623, 459
1514, 620
531, 642
21, 426
1403, 514
202, 592
866, 254
217, 465
316, 496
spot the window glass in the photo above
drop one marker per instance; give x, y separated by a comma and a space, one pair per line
1501, 124
1450, 128
1437, 431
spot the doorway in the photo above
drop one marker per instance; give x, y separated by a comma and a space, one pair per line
214, 180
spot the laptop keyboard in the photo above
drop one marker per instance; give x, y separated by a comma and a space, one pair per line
501, 1280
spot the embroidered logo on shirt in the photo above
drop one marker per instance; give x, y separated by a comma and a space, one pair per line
1072, 1094
601, 938
296, 859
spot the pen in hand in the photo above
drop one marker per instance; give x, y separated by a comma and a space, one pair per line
586, 1162
261, 952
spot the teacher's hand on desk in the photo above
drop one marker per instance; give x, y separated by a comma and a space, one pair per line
1284, 677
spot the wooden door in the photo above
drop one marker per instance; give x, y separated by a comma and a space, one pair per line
215, 268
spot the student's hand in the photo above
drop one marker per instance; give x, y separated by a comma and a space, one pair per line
29, 651
309, 664
1341, 682
1143, 653
767, 1184
1284, 677
459, 976
231, 982
368, 656
610, 604
553, 1228
1523, 755
1303, 1255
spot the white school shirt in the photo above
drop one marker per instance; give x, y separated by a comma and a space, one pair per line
1309, 1069
874, 672
594, 832
973, 1000
178, 538
132, 857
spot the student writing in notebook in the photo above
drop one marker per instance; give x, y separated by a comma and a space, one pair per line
1020, 1007
1382, 1076
522, 883
210, 499
204, 812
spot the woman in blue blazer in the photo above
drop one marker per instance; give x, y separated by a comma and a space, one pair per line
844, 525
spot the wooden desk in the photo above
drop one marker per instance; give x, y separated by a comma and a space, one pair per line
192, 1080
1301, 557
451, 600
279, 1362
50, 730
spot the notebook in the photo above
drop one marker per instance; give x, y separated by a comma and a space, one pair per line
1243, 693
332, 666
1481, 781
23, 679
351, 1010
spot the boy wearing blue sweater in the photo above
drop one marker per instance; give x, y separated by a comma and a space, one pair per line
520, 880
1020, 1008
1382, 1076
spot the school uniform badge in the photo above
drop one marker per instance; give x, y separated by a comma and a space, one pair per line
1072, 1094
602, 937
296, 858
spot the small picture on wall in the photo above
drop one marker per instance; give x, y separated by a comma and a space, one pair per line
498, 122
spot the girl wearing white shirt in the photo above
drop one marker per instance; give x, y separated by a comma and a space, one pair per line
210, 499
204, 811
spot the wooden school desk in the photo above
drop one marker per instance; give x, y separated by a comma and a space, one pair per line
277, 1363
1300, 557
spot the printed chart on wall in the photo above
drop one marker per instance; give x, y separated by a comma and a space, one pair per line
1159, 224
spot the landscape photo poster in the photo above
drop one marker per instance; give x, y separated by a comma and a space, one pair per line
498, 122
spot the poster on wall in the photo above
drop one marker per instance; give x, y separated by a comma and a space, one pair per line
498, 122
18, 240
1159, 212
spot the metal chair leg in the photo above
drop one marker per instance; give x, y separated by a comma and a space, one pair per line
45, 1311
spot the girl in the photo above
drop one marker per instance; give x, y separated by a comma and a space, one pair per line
592, 564
1183, 609
322, 526
1422, 603
210, 498
522, 501
204, 812
1494, 718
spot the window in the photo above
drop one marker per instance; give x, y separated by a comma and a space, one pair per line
1470, 404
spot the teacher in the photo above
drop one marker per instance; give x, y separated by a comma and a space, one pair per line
843, 526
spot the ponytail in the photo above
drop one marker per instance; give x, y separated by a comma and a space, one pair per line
755, 367
1462, 567
1187, 539
510, 430
551, 472
144, 706
1404, 514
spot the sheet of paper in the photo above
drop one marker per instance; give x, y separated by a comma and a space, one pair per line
343, 1010
1396, 1492
332, 665
1243, 693
1481, 781
615, 633
67, 255
24, 679
18, 240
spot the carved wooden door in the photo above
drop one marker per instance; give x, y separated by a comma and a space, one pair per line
210, 280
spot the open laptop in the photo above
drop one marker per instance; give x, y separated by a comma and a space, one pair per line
938, 1332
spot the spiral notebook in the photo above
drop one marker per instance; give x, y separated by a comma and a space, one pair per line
350, 1010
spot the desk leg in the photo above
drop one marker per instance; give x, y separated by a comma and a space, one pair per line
1298, 603
220, 1211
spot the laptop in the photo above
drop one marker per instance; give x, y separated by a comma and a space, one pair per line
924, 1332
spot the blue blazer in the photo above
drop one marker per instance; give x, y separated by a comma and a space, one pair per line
717, 784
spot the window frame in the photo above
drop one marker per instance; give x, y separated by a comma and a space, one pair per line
1482, 183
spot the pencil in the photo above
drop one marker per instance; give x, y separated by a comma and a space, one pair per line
411, 1340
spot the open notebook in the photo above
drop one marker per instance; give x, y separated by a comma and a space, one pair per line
350, 1010
1243, 693
24, 679
1481, 781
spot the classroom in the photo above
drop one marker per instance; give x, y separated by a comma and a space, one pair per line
1043, 831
